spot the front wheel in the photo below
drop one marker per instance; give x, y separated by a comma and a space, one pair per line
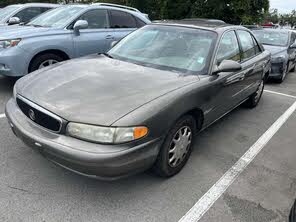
177, 148
44, 60
254, 99
283, 76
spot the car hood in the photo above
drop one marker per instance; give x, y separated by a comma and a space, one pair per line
19, 31
275, 49
98, 90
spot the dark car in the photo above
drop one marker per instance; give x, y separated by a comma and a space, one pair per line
281, 43
141, 104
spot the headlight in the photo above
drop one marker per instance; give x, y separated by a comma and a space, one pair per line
109, 135
4, 44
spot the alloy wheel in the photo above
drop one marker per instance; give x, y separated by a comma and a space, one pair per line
47, 63
179, 146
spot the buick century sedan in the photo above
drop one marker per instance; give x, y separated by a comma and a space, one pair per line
140, 105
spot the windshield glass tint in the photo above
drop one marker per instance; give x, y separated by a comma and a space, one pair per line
57, 18
7, 11
173, 48
276, 38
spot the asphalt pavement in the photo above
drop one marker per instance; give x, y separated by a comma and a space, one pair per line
33, 189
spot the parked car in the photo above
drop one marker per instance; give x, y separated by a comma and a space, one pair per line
282, 45
141, 104
23, 13
64, 33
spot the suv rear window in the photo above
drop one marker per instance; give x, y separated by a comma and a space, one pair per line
119, 20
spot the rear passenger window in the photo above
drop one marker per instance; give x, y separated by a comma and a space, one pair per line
140, 23
28, 13
44, 9
257, 47
248, 47
119, 20
97, 19
229, 48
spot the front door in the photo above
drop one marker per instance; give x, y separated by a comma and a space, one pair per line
94, 39
226, 85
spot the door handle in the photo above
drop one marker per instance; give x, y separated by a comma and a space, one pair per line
109, 37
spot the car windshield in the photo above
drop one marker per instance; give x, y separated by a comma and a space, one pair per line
57, 18
276, 38
185, 50
7, 11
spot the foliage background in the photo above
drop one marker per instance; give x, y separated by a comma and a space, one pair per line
231, 11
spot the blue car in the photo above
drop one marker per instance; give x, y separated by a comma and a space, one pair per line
23, 13
64, 33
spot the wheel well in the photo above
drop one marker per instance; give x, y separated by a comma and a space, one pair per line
266, 75
198, 115
52, 51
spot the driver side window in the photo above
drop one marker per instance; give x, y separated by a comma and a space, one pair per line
97, 19
229, 48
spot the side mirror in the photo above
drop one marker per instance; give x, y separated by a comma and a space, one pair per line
114, 43
227, 66
14, 21
80, 24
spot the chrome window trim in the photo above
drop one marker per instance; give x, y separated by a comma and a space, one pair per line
39, 108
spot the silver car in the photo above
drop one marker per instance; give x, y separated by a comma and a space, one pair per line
64, 33
23, 13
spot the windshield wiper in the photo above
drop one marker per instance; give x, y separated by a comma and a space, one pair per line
107, 55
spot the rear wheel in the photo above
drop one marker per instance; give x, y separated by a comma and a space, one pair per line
44, 60
177, 148
254, 99
294, 68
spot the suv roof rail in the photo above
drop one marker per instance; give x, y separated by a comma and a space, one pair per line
117, 6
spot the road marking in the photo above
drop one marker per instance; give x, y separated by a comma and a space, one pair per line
280, 94
217, 190
2, 116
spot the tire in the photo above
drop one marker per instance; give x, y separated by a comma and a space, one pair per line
165, 166
294, 69
255, 98
283, 76
42, 59
292, 216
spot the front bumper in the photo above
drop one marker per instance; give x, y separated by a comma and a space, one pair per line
107, 162
13, 62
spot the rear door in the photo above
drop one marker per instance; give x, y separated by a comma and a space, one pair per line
94, 38
121, 23
252, 62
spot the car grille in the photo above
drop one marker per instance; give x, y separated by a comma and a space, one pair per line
39, 115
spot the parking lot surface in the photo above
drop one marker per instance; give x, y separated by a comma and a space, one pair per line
33, 189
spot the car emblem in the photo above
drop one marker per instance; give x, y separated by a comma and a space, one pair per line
32, 115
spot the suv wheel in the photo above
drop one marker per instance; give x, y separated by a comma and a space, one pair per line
176, 148
45, 60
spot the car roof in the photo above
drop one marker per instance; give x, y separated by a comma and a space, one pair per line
273, 30
37, 4
207, 24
